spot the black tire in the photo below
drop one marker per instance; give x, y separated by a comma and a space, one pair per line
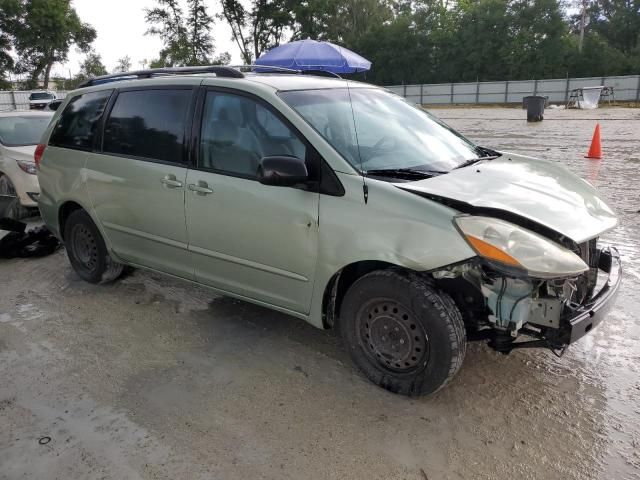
404, 334
9, 201
87, 251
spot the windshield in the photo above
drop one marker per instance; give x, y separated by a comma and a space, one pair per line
20, 131
40, 96
382, 132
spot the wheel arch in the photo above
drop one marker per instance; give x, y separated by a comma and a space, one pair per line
66, 209
5, 174
341, 281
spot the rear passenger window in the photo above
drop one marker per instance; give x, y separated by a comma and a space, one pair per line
148, 124
78, 124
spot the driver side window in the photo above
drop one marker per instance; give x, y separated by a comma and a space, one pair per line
237, 132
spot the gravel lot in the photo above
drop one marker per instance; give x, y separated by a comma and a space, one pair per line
153, 378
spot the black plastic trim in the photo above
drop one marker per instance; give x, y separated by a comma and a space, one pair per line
592, 313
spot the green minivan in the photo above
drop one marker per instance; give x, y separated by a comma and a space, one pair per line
333, 201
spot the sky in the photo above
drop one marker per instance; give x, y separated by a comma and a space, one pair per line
120, 27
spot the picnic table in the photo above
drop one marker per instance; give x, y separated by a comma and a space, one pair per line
589, 97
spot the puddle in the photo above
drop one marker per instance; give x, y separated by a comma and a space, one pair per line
611, 355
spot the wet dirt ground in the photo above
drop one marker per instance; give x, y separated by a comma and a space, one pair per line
152, 378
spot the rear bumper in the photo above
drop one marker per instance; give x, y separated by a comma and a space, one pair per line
589, 315
28, 189
26, 185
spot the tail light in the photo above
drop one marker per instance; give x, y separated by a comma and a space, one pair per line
37, 155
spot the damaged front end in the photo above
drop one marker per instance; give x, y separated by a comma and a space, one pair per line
514, 307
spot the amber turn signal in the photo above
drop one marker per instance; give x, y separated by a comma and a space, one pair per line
490, 252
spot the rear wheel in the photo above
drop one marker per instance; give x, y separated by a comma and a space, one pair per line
9, 201
404, 334
87, 251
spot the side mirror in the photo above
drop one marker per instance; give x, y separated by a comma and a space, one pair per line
282, 171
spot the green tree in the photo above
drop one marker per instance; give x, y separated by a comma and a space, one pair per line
42, 32
199, 33
167, 23
431, 41
339, 21
396, 51
8, 12
598, 58
123, 64
6, 63
537, 44
187, 39
90, 67
258, 28
618, 22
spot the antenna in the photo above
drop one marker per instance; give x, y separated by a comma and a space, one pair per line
365, 188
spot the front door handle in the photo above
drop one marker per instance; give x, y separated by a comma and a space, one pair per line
170, 181
201, 188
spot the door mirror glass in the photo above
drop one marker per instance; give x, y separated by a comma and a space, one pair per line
282, 171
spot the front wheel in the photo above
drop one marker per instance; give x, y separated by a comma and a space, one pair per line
87, 251
404, 334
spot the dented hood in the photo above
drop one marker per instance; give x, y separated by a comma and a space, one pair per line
544, 192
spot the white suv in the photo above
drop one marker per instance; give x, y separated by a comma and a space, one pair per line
39, 100
20, 132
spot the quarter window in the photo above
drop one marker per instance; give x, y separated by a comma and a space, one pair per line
78, 124
237, 132
148, 124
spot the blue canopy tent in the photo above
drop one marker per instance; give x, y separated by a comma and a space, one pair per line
313, 55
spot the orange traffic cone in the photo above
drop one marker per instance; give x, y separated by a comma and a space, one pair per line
595, 151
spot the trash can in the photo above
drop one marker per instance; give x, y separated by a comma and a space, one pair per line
535, 107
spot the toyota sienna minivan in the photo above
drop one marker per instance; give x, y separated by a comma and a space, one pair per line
333, 201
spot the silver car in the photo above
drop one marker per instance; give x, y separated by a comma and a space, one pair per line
333, 201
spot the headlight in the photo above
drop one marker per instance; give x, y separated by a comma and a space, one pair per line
508, 244
27, 167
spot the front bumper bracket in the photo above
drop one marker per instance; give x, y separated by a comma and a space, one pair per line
589, 315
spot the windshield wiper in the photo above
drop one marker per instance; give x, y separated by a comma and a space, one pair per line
473, 161
484, 153
487, 152
404, 172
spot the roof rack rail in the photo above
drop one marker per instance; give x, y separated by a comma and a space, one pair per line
219, 70
321, 73
274, 69
271, 68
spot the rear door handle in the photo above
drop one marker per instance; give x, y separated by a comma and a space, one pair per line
201, 188
170, 181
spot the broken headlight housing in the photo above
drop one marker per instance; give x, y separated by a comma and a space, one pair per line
508, 245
